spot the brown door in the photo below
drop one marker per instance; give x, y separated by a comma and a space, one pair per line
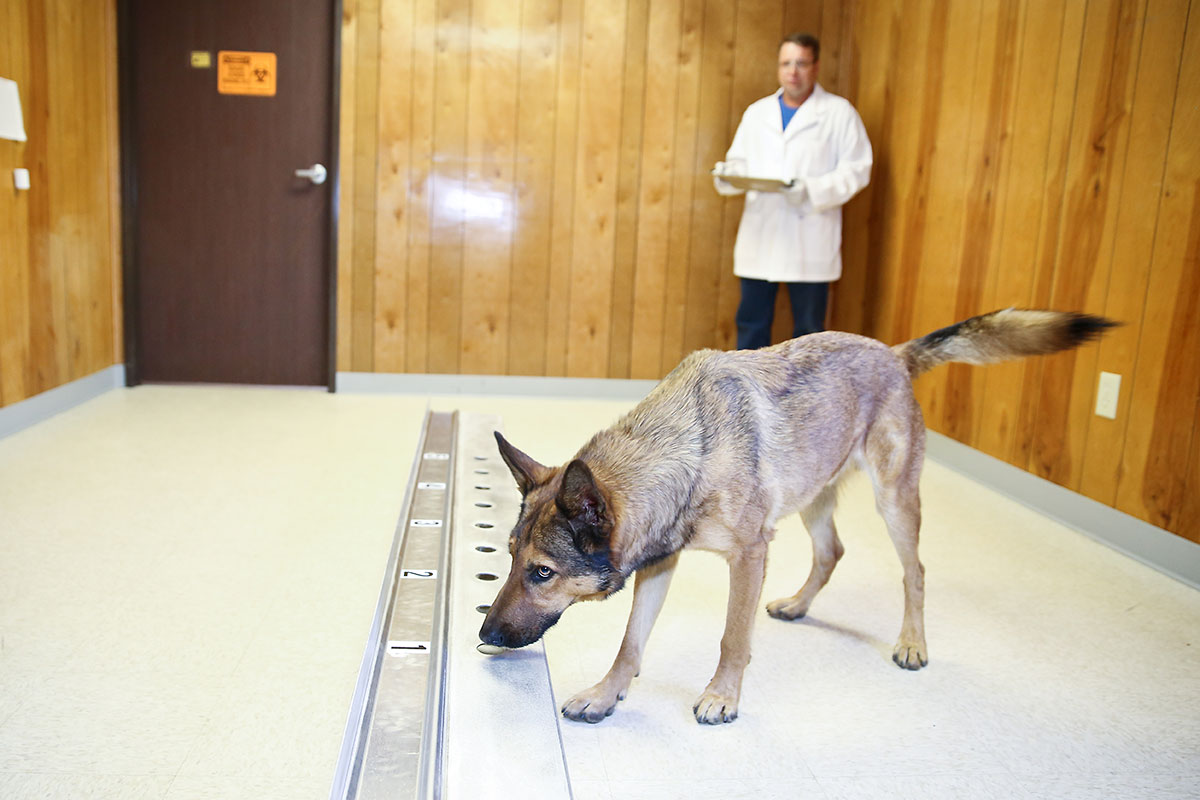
229, 262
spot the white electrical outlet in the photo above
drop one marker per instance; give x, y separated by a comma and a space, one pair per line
1107, 395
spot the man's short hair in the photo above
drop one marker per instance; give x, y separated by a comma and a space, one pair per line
805, 40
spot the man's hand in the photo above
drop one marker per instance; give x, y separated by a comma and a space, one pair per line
797, 193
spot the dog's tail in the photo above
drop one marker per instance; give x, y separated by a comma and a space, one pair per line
1001, 336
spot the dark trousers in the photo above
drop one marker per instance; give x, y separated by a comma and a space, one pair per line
757, 310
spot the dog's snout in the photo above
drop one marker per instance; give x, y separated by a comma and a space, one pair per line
491, 634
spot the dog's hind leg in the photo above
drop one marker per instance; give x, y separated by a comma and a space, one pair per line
649, 591
894, 463
747, 567
827, 551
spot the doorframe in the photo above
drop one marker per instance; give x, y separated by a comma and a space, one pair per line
130, 266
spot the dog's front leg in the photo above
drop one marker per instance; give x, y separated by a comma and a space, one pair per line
649, 592
719, 703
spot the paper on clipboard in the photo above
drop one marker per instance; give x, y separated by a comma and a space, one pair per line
756, 184
12, 125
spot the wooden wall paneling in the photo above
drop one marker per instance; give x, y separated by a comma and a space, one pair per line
987, 159
393, 143
756, 46
96, 348
1020, 212
1052, 225
112, 126
911, 153
1107, 64
421, 102
633, 100
683, 185
1136, 231
713, 135
347, 149
664, 29
533, 187
47, 361
1166, 388
566, 149
491, 147
938, 270
16, 209
450, 187
807, 16
365, 181
597, 171
867, 220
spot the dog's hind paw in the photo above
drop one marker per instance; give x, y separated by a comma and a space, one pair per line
787, 608
591, 705
910, 655
714, 709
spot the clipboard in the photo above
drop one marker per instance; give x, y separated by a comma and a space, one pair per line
755, 184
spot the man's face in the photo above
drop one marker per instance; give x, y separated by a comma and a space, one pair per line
797, 72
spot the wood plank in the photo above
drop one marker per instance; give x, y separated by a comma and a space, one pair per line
113, 196
629, 164
491, 147
1136, 225
347, 174
421, 103
1052, 227
1155, 466
1098, 138
362, 303
664, 26
566, 147
393, 143
534, 186
937, 270
713, 136
590, 296
1022, 209
991, 126
683, 187
449, 197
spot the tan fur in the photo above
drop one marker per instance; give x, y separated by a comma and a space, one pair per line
723, 448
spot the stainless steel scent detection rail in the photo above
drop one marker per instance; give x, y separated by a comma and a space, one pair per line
432, 717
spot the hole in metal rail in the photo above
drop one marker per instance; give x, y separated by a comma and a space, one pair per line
486, 576
482, 486
482, 609
481, 458
483, 504
485, 548
482, 472
484, 525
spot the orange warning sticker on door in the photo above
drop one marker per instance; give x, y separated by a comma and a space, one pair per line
246, 73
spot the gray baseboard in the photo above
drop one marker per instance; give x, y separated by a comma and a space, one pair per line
509, 385
25, 413
1164, 551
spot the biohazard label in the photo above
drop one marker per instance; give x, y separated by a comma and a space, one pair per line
246, 73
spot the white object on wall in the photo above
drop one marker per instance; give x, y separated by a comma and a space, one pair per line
12, 125
21, 178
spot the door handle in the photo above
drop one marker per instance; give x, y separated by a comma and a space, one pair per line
316, 173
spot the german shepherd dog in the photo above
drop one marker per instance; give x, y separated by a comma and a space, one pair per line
723, 447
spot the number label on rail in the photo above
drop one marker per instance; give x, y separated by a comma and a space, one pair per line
431, 485
437, 456
426, 523
419, 574
399, 648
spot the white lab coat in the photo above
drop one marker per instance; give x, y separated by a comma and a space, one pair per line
826, 146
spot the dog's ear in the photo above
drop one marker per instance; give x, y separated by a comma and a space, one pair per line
527, 472
581, 500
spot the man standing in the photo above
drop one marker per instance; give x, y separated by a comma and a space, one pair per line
816, 140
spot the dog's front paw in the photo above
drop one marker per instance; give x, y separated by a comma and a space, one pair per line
910, 655
713, 709
592, 705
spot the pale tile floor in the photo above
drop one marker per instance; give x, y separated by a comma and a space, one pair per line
188, 576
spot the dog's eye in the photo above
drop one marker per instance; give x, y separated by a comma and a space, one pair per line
543, 574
